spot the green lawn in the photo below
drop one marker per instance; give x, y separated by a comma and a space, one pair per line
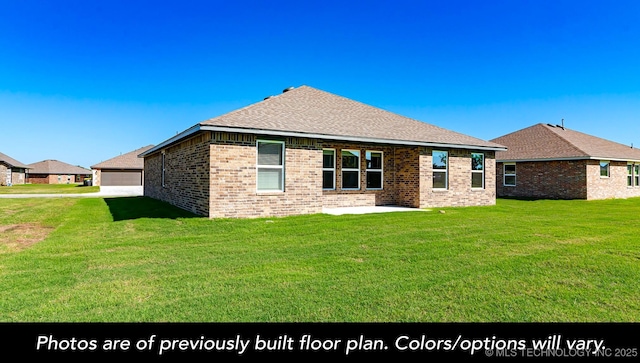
48, 189
139, 260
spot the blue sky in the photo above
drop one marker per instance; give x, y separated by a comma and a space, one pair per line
84, 81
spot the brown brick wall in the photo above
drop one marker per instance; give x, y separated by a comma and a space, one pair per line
186, 175
615, 186
234, 178
560, 179
459, 191
55, 178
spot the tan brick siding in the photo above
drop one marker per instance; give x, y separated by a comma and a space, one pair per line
459, 191
228, 188
96, 176
234, 178
560, 179
3, 174
615, 186
186, 175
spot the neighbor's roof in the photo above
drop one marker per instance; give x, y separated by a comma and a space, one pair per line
549, 142
309, 112
11, 161
129, 160
56, 167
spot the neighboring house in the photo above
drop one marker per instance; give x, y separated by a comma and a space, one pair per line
122, 170
56, 172
306, 149
11, 171
554, 162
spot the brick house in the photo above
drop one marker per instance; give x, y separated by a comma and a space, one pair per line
554, 162
126, 169
56, 172
11, 171
306, 149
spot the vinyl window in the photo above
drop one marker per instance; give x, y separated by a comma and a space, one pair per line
629, 175
328, 169
351, 169
162, 169
509, 174
270, 166
440, 161
374, 169
477, 170
604, 168
636, 171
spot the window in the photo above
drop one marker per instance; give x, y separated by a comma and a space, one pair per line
604, 168
350, 169
270, 166
509, 174
328, 169
477, 170
374, 169
440, 162
162, 171
636, 174
629, 175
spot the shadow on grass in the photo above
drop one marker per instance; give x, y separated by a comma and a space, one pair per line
124, 208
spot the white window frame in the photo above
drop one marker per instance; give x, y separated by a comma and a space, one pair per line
514, 175
163, 168
332, 169
381, 170
275, 167
350, 169
473, 171
630, 176
608, 168
636, 174
445, 171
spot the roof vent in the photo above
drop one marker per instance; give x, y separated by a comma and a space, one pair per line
266, 98
562, 127
287, 89
550, 125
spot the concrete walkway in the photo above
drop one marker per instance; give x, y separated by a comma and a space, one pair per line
124, 191
366, 210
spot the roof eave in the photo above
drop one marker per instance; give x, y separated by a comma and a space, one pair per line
347, 138
186, 133
564, 159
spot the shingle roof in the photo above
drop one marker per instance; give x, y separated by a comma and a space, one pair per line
56, 167
11, 161
129, 160
312, 111
309, 112
545, 141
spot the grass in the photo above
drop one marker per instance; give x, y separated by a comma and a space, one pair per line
48, 189
140, 260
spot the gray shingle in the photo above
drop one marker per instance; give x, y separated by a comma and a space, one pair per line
308, 110
129, 160
56, 167
542, 141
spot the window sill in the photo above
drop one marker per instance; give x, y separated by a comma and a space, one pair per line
269, 192
439, 190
